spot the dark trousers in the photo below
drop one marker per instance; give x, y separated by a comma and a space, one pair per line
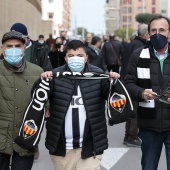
131, 127
17, 162
113, 68
152, 143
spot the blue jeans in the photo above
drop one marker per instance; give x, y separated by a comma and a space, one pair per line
151, 147
17, 162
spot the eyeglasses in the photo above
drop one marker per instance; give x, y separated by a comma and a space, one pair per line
160, 30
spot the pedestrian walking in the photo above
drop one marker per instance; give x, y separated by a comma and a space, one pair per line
148, 76
95, 55
17, 77
57, 53
35, 52
41, 40
76, 127
131, 130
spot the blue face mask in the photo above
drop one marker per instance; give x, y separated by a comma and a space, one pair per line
76, 64
158, 41
13, 56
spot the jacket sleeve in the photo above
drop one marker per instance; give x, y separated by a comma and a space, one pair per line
45, 62
131, 77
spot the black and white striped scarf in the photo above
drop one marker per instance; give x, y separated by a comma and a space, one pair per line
33, 121
143, 75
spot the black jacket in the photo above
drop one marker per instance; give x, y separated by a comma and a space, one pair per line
130, 48
96, 60
39, 56
57, 58
94, 94
109, 55
160, 120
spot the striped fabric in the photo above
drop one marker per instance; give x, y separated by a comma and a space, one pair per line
143, 75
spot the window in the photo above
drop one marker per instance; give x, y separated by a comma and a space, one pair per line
163, 11
50, 1
127, 10
127, 1
127, 19
50, 15
153, 2
153, 10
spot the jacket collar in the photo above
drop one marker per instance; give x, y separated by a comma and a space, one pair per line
13, 68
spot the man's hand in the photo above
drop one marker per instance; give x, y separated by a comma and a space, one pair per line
114, 75
148, 94
47, 74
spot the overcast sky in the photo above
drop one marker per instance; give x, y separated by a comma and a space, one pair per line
88, 13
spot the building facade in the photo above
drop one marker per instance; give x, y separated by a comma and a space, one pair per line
19, 11
56, 13
121, 13
112, 16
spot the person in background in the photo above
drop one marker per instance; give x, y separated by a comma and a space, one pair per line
104, 39
57, 53
50, 41
112, 52
76, 127
63, 35
88, 39
17, 78
35, 52
94, 54
41, 40
148, 76
131, 133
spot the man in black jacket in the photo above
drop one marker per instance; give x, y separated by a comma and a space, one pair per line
94, 54
35, 52
148, 75
76, 127
112, 52
131, 133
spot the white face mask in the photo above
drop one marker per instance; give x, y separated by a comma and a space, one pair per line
41, 41
76, 64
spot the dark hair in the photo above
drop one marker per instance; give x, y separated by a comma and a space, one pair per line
156, 17
74, 45
41, 36
58, 38
95, 39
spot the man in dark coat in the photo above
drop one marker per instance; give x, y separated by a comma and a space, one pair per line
148, 76
94, 54
131, 133
35, 52
112, 52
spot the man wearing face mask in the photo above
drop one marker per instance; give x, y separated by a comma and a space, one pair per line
76, 127
41, 40
35, 52
17, 78
148, 76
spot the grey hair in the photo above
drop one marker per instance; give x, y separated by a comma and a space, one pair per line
142, 29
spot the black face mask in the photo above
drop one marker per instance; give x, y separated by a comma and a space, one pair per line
63, 38
58, 45
158, 41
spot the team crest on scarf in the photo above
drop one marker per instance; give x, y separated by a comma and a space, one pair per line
118, 101
30, 128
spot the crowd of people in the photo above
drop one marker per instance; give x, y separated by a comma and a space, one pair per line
75, 115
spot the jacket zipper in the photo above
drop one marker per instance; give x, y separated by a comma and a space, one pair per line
94, 153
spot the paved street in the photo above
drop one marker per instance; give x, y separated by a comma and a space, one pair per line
117, 157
